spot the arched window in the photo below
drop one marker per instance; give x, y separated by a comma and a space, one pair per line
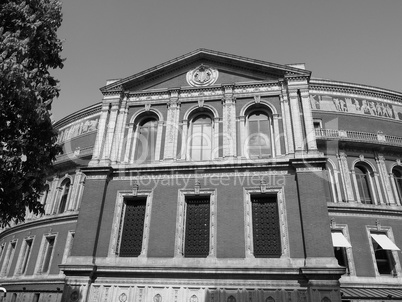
397, 175
65, 189
145, 145
363, 184
200, 139
258, 141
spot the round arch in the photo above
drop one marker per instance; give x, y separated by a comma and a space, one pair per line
364, 163
267, 104
192, 110
140, 113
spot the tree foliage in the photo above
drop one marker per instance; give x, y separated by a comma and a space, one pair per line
29, 47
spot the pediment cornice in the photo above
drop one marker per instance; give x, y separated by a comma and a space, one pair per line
223, 59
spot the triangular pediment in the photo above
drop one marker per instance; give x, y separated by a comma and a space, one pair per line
204, 68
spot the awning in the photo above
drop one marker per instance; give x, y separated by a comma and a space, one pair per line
339, 240
384, 242
371, 294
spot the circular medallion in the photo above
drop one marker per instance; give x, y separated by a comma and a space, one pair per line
74, 296
202, 76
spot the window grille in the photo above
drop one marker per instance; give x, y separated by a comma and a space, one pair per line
266, 229
197, 227
133, 228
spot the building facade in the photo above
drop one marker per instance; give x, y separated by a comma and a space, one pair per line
218, 178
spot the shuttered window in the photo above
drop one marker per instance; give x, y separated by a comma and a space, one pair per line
266, 229
197, 227
132, 228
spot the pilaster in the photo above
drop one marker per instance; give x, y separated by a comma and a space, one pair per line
314, 215
287, 122
74, 192
119, 133
91, 211
229, 122
98, 146
52, 197
308, 120
172, 125
296, 120
345, 176
389, 197
111, 126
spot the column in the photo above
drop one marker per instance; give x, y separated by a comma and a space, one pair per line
308, 120
394, 189
184, 140
276, 135
375, 185
158, 144
172, 125
128, 142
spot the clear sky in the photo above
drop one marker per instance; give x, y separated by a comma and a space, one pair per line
357, 41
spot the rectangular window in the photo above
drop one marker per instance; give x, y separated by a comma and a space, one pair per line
197, 227
383, 248
132, 227
8, 258
48, 254
25, 253
340, 244
36, 297
2, 250
266, 229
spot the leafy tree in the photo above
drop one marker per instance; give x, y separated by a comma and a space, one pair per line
29, 47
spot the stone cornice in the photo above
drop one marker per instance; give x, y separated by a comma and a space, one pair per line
351, 88
93, 109
46, 221
356, 209
214, 91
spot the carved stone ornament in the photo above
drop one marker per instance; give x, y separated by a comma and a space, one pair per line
193, 298
123, 297
202, 76
158, 298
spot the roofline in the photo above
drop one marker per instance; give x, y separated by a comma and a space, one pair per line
318, 81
